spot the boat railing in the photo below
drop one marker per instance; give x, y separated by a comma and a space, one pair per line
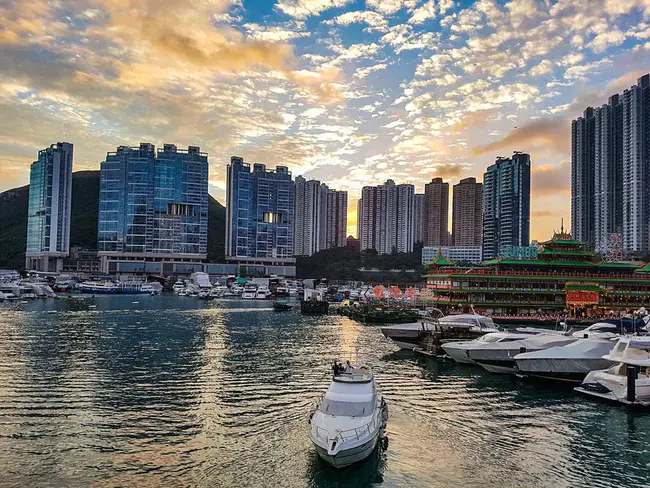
350, 434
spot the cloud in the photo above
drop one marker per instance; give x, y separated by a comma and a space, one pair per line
424, 12
374, 20
545, 134
550, 179
390, 7
448, 170
541, 213
301, 9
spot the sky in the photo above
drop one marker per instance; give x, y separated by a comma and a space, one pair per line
347, 92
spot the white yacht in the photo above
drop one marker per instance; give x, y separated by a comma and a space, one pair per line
628, 380
479, 324
459, 351
178, 287
263, 293
600, 330
499, 357
349, 419
569, 363
249, 292
410, 335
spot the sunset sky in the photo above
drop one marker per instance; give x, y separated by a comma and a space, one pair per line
347, 92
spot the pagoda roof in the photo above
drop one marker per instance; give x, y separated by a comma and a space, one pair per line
644, 269
547, 252
440, 260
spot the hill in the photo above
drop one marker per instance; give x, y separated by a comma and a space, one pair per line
83, 222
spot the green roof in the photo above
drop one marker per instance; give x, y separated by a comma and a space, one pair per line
619, 265
573, 263
584, 287
644, 269
567, 253
565, 241
440, 260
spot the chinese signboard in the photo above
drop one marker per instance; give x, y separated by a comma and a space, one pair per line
581, 297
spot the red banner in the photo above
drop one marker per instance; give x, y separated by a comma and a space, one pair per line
581, 297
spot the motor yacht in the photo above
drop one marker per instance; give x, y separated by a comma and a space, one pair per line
408, 336
178, 287
568, 363
249, 292
478, 324
459, 351
628, 380
499, 357
263, 293
349, 419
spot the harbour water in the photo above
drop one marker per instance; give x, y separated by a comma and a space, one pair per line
175, 391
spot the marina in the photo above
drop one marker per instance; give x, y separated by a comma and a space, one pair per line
222, 391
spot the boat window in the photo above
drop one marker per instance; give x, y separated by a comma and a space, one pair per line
488, 338
348, 409
620, 347
510, 339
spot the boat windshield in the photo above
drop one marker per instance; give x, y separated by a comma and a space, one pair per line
489, 338
347, 409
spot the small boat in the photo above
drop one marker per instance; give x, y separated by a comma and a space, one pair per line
349, 419
628, 380
281, 305
249, 292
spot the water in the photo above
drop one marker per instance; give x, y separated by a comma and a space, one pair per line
178, 392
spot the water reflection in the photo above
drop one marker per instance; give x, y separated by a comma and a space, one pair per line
177, 391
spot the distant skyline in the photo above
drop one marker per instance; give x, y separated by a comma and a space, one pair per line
351, 93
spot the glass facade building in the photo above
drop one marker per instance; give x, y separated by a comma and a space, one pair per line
153, 205
506, 204
50, 199
259, 213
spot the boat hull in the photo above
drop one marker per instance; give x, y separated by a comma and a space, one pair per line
497, 366
567, 370
350, 456
458, 355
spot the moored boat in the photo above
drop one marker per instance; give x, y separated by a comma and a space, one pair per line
628, 380
349, 420
568, 363
281, 305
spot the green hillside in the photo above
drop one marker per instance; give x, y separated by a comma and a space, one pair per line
83, 224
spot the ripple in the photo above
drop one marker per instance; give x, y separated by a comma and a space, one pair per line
178, 392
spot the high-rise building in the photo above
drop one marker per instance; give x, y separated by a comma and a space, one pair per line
310, 222
608, 171
582, 177
337, 218
50, 198
320, 217
259, 214
436, 213
467, 218
506, 204
153, 209
610, 161
636, 167
386, 214
418, 218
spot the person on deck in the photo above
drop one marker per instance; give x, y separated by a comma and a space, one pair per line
348, 367
336, 368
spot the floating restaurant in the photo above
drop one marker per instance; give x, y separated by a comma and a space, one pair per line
564, 278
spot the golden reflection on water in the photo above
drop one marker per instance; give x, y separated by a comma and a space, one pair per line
178, 392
